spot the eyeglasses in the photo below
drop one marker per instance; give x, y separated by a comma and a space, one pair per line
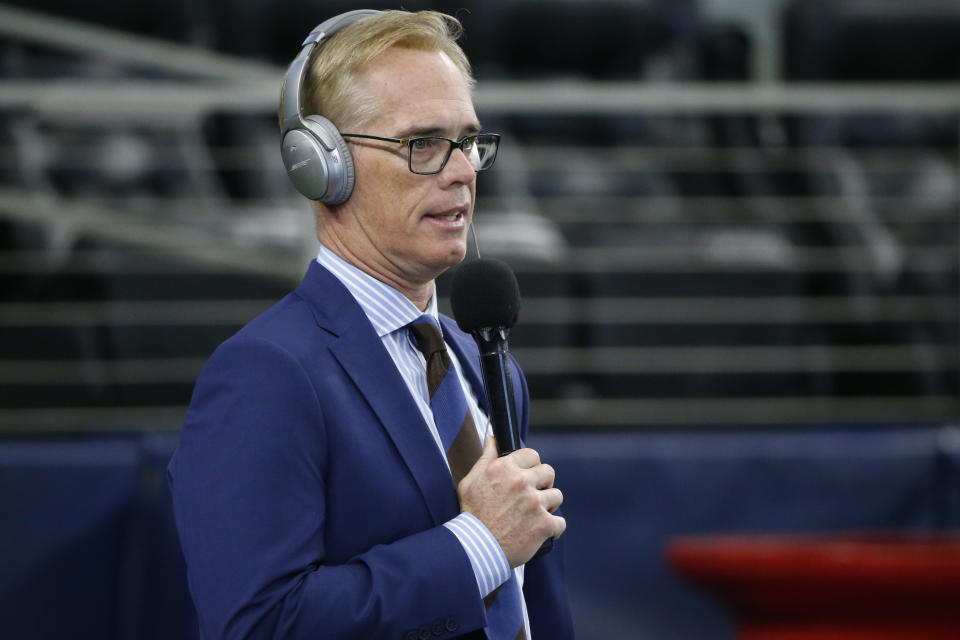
429, 155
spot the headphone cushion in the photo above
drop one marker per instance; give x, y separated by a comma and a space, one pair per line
338, 160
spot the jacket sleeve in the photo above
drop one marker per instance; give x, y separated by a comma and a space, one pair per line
249, 485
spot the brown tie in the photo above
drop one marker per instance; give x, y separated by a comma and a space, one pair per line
458, 433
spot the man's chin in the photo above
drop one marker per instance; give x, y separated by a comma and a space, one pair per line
455, 254
449, 260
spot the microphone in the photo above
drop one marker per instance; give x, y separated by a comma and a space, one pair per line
485, 298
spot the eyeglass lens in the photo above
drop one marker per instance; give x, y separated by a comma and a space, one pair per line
429, 155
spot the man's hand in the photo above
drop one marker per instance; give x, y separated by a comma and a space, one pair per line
515, 498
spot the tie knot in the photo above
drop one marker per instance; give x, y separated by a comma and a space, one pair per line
428, 335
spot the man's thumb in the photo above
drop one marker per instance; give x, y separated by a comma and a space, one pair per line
490, 449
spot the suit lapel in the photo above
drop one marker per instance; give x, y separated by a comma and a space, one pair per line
359, 351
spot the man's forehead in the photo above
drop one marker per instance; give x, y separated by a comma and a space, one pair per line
420, 93
401, 71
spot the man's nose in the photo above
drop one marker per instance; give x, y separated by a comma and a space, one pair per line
460, 166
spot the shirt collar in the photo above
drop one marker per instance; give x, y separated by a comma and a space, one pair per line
385, 307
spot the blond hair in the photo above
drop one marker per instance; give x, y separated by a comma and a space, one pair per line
331, 80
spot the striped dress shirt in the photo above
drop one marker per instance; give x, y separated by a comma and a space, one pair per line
390, 312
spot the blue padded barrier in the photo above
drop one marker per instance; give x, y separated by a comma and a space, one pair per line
627, 494
65, 538
88, 547
949, 481
165, 610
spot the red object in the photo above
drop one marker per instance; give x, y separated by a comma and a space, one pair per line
820, 587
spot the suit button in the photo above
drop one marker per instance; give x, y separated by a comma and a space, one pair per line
439, 628
452, 624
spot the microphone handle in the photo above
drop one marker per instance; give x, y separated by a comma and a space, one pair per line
498, 382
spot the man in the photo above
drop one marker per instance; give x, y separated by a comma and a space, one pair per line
313, 488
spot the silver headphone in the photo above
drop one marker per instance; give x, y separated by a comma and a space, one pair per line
314, 153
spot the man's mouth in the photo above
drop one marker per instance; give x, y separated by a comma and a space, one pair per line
451, 215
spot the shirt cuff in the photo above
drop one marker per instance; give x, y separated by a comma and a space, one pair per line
486, 557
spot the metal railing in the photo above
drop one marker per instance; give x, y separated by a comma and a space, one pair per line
668, 279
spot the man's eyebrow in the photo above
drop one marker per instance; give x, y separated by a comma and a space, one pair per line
425, 132
420, 133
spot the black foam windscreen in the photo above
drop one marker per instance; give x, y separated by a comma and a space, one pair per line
484, 295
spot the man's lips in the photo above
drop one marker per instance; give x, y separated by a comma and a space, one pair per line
450, 215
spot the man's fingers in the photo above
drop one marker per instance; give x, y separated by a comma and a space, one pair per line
542, 476
551, 499
560, 525
525, 458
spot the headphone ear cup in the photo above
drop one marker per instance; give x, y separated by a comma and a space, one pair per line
338, 160
318, 161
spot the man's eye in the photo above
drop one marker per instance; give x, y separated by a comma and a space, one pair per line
420, 144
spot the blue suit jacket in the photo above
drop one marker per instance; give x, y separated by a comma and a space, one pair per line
309, 495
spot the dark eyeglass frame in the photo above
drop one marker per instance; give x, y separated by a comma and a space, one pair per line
453, 144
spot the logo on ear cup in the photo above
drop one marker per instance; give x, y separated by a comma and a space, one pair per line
300, 164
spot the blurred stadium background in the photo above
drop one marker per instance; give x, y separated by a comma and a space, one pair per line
735, 224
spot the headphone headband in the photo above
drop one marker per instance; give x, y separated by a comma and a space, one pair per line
292, 111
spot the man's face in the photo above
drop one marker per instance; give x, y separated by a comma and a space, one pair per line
406, 228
